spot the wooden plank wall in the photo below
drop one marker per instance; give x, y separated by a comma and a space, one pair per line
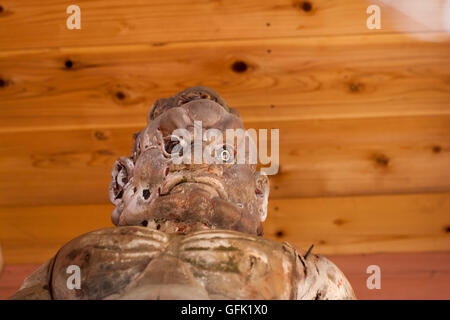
364, 119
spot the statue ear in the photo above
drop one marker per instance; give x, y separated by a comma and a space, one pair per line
122, 172
262, 193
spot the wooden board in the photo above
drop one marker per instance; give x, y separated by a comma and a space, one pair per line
385, 107
285, 79
30, 24
403, 275
408, 276
318, 158
334, 225
368, 224
35, 234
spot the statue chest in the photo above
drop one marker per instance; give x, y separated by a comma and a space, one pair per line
147, 264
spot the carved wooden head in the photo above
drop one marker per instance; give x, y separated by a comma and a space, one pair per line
151, 188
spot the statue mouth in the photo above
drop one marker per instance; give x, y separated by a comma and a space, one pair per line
176, 182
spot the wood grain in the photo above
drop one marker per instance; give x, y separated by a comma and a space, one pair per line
35, 234
386, 109
367, 224
408, 276
284, 79
30, 24
348, 225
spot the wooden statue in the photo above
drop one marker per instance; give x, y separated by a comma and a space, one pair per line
185, 230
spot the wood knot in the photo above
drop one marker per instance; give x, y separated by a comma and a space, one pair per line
120, 95
4, 12
100, 135
3, 83
355, 87
381, 160
239, 66
437, 149
279, 234
306, 6
339, 222
68, 64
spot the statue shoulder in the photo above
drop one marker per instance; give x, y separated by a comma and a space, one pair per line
312, 276
235, 265
323, 280
105, 261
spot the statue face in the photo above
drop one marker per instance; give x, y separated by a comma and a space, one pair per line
151, 188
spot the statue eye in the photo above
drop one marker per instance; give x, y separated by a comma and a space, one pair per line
169, 146
225, 154
208, 97
174, 147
